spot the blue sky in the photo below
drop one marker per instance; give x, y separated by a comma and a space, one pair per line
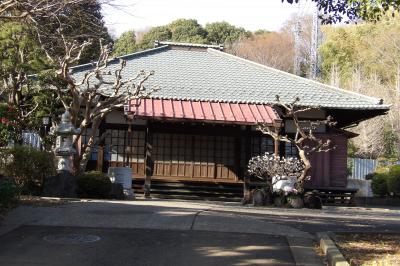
250, 14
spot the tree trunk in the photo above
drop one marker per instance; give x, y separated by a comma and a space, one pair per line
84, 156
306, 170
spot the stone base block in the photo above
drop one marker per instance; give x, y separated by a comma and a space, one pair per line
62, 185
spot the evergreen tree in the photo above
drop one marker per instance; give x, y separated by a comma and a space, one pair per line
125, 44
224, 33
354, 10
160, 33
187, 30
79, 23
20, 56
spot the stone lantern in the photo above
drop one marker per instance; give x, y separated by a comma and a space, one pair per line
64, 148
64, 183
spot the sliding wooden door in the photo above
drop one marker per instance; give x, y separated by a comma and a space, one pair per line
194, 157
123, 148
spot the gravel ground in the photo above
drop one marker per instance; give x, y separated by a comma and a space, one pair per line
370, 249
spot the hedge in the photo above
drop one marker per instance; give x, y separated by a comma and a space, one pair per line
27, 166
379, 184
393, 180
94, 184
9, 192
386, 182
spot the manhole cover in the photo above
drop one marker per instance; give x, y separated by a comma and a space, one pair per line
71, 239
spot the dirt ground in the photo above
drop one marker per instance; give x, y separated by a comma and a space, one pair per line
370, 249
42, 202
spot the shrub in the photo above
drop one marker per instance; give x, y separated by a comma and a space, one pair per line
279, 198
379, 184
312, 200
268, 166
27, 166
8, 123
369, 176
94, 184
393, 181
9, 192
349, 168
382, 169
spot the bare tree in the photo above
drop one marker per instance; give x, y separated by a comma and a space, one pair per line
96, 94
89, 98
305, 139
276, 49
18, 10
270, 49
29, 28
372, 141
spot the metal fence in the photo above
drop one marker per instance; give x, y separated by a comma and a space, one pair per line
32, 139
362, 167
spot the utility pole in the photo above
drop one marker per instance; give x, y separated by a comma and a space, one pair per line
315, 42
297, 55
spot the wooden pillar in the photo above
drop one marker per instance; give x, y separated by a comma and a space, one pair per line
128, 145
238, 153
247, 137
282, 148
149, 164
276, 141
100, 150
246, 179
100, 158
78, 148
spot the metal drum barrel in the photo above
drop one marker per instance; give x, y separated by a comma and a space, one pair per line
122, 175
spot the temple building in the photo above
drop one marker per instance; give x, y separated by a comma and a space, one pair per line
200, 126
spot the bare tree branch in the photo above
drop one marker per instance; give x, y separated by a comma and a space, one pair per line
32, 9
98, 92
304, 139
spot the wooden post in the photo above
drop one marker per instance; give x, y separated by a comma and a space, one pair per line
128, 146
237, 155
246, 179
100, 158
276, 141
149, 164
100, 150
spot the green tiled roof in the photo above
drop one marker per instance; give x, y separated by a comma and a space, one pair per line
212, 75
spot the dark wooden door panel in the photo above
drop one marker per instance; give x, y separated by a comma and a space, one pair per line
188, 170
191, 156
174, 169
175, 155
123, 148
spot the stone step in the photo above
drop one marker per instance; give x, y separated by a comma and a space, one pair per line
191, 183
193, 197
192, 187
195, 192
192, 190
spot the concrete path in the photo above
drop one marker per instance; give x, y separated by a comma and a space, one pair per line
29, 246
166, 232
167, 215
